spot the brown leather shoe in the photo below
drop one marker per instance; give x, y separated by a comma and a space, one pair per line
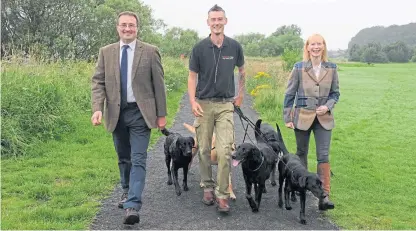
122, 200
132, 217
223, 206
208, 198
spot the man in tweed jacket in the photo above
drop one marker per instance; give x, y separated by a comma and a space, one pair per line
128, 85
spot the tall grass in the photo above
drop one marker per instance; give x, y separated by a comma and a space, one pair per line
39, 100
266, 82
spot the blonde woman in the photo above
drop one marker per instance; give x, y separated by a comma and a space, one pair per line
310, 97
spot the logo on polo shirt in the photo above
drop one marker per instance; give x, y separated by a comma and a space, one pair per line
227, 57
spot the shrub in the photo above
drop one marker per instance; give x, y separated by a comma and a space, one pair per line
290, 57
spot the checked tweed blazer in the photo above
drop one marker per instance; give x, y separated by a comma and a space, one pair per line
147, 83
305, 92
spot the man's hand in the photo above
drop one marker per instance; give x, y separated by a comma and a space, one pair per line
290, 125
196, 109
96, 118
322, 110
161, 122
238, 100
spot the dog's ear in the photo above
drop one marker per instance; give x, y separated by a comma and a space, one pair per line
192, 141
317, 176
174, 145
302, 181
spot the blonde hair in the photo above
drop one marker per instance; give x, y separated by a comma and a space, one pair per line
314, 37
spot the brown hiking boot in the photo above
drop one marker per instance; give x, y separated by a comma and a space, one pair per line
122, 200
223, 206
208, 198
132, 217
324, 172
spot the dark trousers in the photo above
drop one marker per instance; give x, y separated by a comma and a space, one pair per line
322, 141
131, 140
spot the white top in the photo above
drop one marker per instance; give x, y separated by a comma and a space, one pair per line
317, 70
130, 56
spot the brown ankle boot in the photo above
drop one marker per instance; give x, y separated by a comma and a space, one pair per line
223, 205
208, 198
324, 172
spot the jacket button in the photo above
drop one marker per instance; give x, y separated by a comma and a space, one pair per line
317, 84
118, 105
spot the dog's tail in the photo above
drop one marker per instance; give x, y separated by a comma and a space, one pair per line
282, 143
257, 132
189, 127
165, 132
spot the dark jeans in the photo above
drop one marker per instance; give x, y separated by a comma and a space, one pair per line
131, 140
322, 141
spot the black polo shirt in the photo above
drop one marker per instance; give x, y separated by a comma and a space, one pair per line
215, 67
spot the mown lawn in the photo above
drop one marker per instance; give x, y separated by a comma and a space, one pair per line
373, 144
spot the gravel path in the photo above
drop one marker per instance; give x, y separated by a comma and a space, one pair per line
162, 209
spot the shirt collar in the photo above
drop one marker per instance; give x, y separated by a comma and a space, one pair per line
225, 43
132, 45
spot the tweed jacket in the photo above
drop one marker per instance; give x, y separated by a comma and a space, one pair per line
305, 92
147, 83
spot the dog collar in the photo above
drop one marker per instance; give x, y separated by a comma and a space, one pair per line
262, 160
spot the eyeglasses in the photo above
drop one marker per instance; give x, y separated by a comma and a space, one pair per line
124, 26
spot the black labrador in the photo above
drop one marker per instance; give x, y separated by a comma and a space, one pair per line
275, 140
297, 178
265, 133
178, 149
257, 164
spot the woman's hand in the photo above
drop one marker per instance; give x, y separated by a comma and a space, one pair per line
322, 110
290, 125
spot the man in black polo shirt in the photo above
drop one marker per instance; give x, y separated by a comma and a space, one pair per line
213, 60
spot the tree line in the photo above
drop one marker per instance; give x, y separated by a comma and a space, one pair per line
286, 37
396, 43
76, 29
397, 52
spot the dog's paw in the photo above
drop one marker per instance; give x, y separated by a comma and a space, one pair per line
303, 221
178, 192
233, 197
273, 183
169, 182
185, 188
280, 204
255, 209
288, 207
294, 198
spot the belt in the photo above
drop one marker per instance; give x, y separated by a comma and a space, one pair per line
218, 100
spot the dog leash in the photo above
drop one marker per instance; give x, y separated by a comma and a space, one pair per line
253, 126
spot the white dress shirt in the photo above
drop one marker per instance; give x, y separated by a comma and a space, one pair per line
130, 56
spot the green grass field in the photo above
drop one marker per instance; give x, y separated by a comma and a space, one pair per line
373, 146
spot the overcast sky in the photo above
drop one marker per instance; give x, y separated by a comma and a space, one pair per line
337, 20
